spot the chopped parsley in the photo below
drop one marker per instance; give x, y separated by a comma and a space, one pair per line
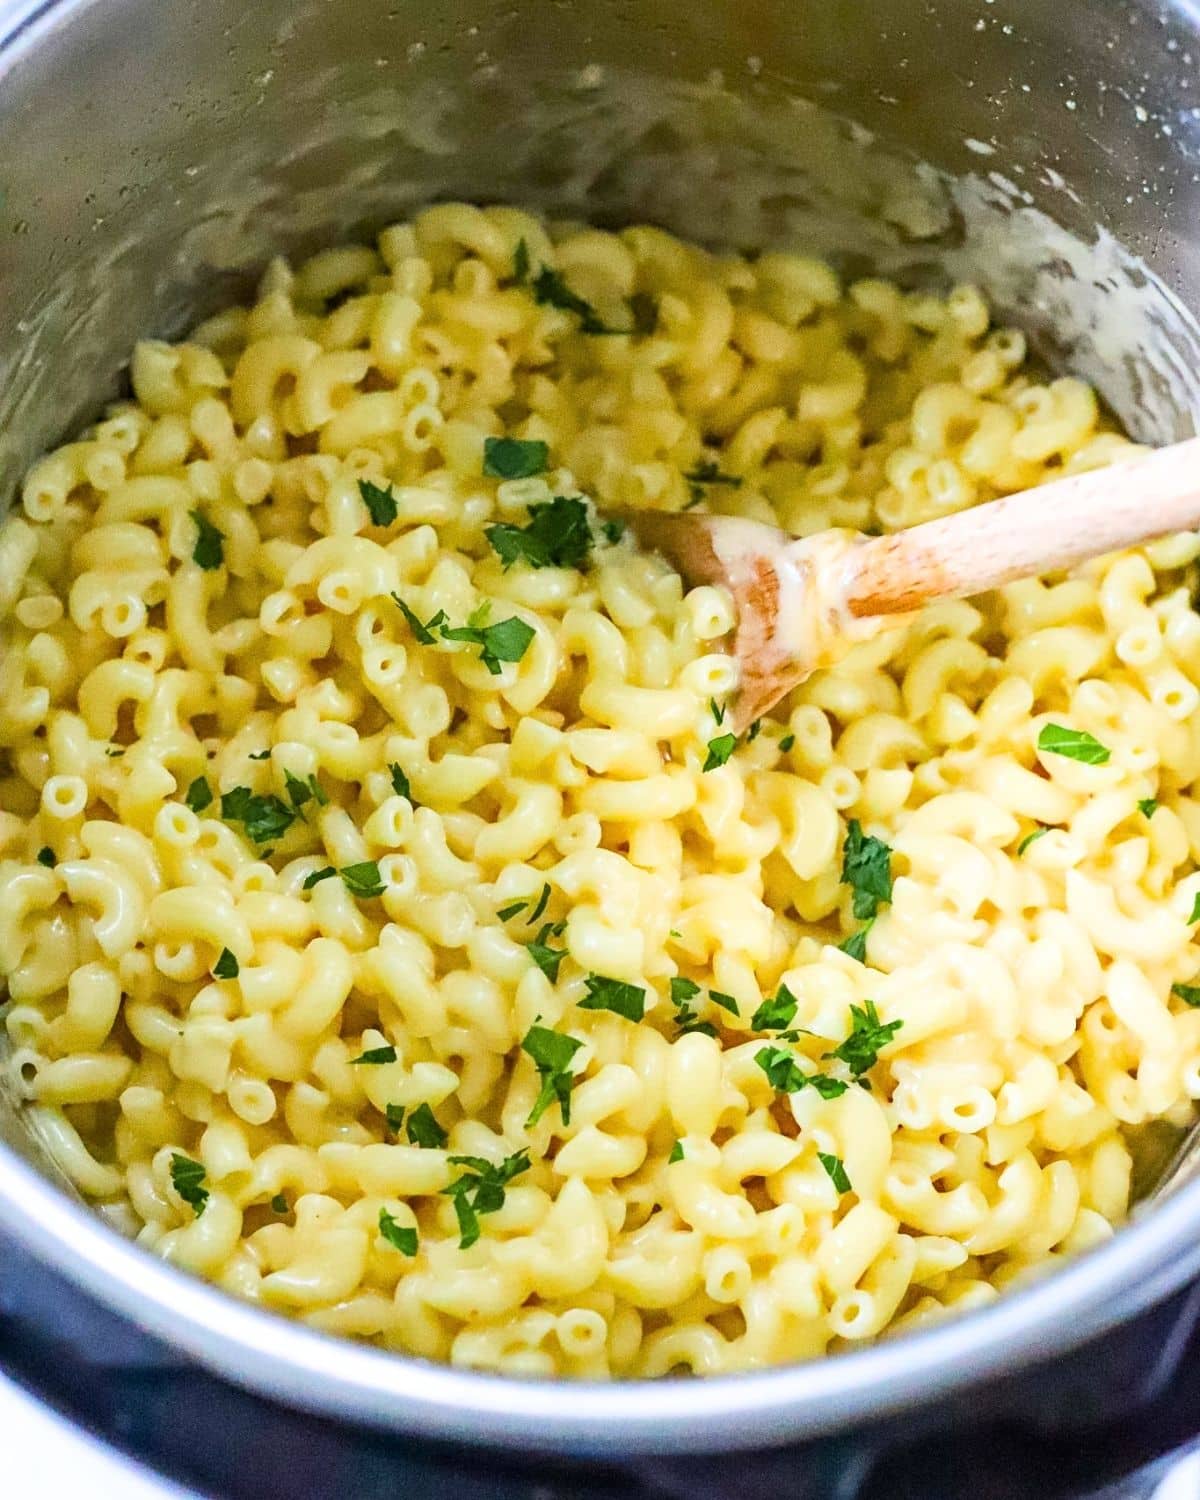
264, 818
279, 1203
381, 503
1195, 916
709, 472
114, 751
836, 1169
481, 1190
860, 1051
856, 944
508, 640
423, 1129
543, 901
717, 710
551, 1052
375, 1056
786, 743
548, 959
261, 755
303, 792
786, 1076
209, 551
397, 1235
199, 795
521, 263
423, 633
316, 876
45, 856
226, 966
394, 1115
187, 1178
628, 1000
867, 867
1148, 806
557, 536
612, 531
777, 1014
644, 310
550, 290
676, 1152
683, 992
1075, 744
1188, 993
506, 913
400, 784
726, 1002
514, 458
1030, 838
363, 880
719, 751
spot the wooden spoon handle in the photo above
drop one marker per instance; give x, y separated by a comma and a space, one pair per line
1041, 531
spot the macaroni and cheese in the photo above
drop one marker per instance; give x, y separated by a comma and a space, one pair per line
395, 931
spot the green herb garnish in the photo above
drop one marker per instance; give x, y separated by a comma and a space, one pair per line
45, 856
521, 263
302, 792
481, 1190
549, 289
548, 959
557, 536
1148, 806
837, 1171
1075, 744
867, 866
399, 1237
374, 1057
1195, 916
199, 795
551, 1052
709, 472
393, 1114
726, 1002
264, 818
279, 1203
719, 751
644, 311
400, 784
316, 876
506, 913
514, 458
717, 710
187, 1178
363, 880
860, 1051
423, 633
380, 503
676, 1152
506, 641
209, 551
1029, 839
226, 966
1188, 993
856, 944
628, 1000
786, 1077
776, 1014
786, 743
423, 1129
260, 755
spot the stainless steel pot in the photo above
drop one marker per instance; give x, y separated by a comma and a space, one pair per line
154, 152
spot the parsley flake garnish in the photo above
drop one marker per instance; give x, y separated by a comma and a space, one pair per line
279, 1203
557, 536
709, 472
836, 1168
398, 1236
264, 818
644, 310
199, 795
506, 913
551, 1052
1148, 806
226, 966
521, 263
423, 633
261, 755
550, 290
302, 792
860, 1051
187, 1178
1075, 744
856, 944
481, 1190
514, 458
628, 1000
394, 1116
363, 880
400, 784
717, 710
209, 551
726, 1002
1188, 993
867, 866
548, 959
45, 856
612, 532
786, 1076
373, 1057
1195, 916
776, 1014
316, 876
381, 503
542, 902
1029, 839
508, 640
676, 1152
683, 992
754, 731
719, 751
786, 743
423, 1129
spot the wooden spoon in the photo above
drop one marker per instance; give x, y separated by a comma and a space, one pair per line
802, 603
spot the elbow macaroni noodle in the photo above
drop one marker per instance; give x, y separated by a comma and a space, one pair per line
688, 1215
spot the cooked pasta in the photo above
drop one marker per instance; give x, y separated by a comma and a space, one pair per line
395, 931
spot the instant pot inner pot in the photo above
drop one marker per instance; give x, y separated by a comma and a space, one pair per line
154, 157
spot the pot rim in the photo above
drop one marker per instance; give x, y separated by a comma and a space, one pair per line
275, 1356
286, 1360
